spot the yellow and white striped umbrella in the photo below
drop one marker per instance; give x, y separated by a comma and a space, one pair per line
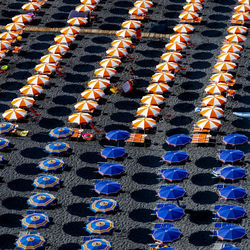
99, 83
14, 114
105, 72
163, 77
14, 26
23, 102
92, 94
184, 28
38, 80
212, 112
221, 77
51, 58
60, 49
171, 57
152, 99
214, 100
148, 111
126, 33
237, 29
86, 106
31, 90
77, 21
70, 30
122, 43
131, 24
144, 123
80, 118
45, 68
216, 88
211, 124
228, 57
64, 39
110, 62
158, 88
175, 46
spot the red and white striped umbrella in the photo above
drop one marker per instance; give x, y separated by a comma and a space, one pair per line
38, 80
70, 30
158, 88
225, 66
126, 33
184, 38
171, 57
122, 43
31, 90
214, 100
188, 15
23, 102
211, 124
14, 26
8, 35
131, 24
84, 8
212, 112
195, 1
105, 72
244, 1
64, 39
144, 123
23, 18
51, 58
31, 6
110, 62
194, 7
216, 88
167, 66
148, 111
58, 49
5, 45
228, 57
152, 99
80, 118
184, 28
237, 30
86, 106
236, 38
242, 8
92, 94
99, 84
117, 52
232, 47
143, 4
45, 68
175, 46
77, 21
2, 55
138, 11
14, 114
163, 77
243, 16
221, 77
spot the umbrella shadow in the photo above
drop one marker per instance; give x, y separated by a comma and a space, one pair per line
191, 85
59, 111
122, 117
88, 173
150, 161
184, 107
21, 185
91, 157
71, 246
205, 197
146, 178
74, 228
119, 11
50, 123
142, 215
144, 195
212, 33
219, 17
42, 137
15, 203
7, 241
140, 235
202, 238
79, 209
10, 220
83, 191
201, 217
126, 105
90, 58
33, 153
208, 163
28, 169
204, 179
188, 96
181, 120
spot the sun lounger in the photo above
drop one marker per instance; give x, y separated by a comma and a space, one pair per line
200, 130
197, 20
231, 93
200, 138
137, 138
137, 17
77, 133
16, 49
237, 21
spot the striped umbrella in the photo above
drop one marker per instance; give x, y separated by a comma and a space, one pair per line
57, 147
8, 35
50, 58
228, 57
225, 66
163, 77
143, 123
84, 8
103, 205
236, 38
14, 114
158, 88
77, 21
214, 100
52, 164
221, 77
167, 66
243, 16
80, 118
30, 241
31, 90
152, 99
138, 11
242, 8
46, 68
232, 47
105, 72
143, 4
4, 143
64, 39
14, 26
96, 244
6, 127
188, 15
23, 18
212, 112
171, 56
209, 123
110, 62
183, 28
92, 94
184, 38
194, 7
237, 30
46, 181
148, 111
2, 55
195, 1
23, 102
117, 52
216, 88
38, 80
5, 45
35, 221
31, 6
86, 106
244, 1
41, 200
175, 46
99, 83
61, 132
58, 49
122, 43
126, 33
131, 24
70, 30
91, 2
100, 226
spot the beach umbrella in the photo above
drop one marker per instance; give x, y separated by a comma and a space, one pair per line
57, 147
84, 8
60, 132
158, 88
237, 29
46, 181
231, 232
91, 2
31, 6
195, 1
244, 1
6, 127
110, 62
242, 8
166, 235
212, 112
122, 43
143, 4
30, 241
110, 169
163, 77
232, 47
38, 80
171, 57
35, 221
230, 247
188, 15
77, 21
60, 49
126, 33
41, 200
14, 26
225, 66
231, 212
171, 192
116, 135
152, 99
242, 16
193, 7
231, 173
51, 164
170, 212
184, 38
4, 143
96, 244
14, 114
64, 39
131, 24
229, 57
117, 52
231, 155
70, 30
236, 38
148, 111
105, 72
113, 152
209, 123
92, 94
175, 156
80, 118
174, 174
23, 102
221, 77
8, 35
86, 106
214, 100
175, 46
107, 187
31, 90
216, 88
50, 58
235, 139
2, 55
5, 45
103, 205
138, 11
167, 66
183, 28
23, 18
178, 140
46, 68
143, 123
99, 83
100, 226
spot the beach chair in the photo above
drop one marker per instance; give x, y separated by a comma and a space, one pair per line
231, 93
200, 138
196, 20
16, 49
237, 22
137, 138
77, 133
200, 130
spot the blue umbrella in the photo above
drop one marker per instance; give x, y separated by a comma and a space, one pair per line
51, 164
232, 192
178, 140
171, 192
231, 233
230, 155
175, 156
4, 143
166, 235
113, 152
41, 200
46, 181
156, 246
107, 187
6, 127
103, 205
116, 135
170, 212
231, 212
100, 226
111, 169
231, 173
30, 241
61, 132
57, 147
174, 174
35, 221
96, 244
235, 139
230, 247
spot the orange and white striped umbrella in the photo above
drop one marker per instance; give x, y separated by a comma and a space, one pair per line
242, 8
92, 94
228, 57
38, 80
212, 112
243, 16
84, 8
175, 46
216, 88
64, 39
194, 7
14, 114
214, 100
86, 106
225, 66
131, 24
58, 49
188, 15
105, 72
148, 111
70, 30
23, 102
180, 38
8, 35
171, 57
91, 2
80, 118
2, 54
211, 124
45, 68
110, 62
126, 33
31, 6
143, 4
14, 26
163, 77
122, 43
31, 90
5, 45
99, 84
78, 21
158, 88
221, 77
195, 1
23, 18
50, 58
232, 47
137, 11
244, 1
184, 28
117, 52
144, 123
152, 99
237, 29
167, 66
236, 38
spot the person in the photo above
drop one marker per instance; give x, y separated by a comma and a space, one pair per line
132, 73
138, 33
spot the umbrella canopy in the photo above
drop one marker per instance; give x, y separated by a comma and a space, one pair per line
163, 77
174, 174
92, 94
212, 112
183, 28
193, 7
244, 1
35, 221
60, 132
6, 127
96, 244
232, 47
80, 118
231, 233
171, 192
41, 200
231, 173
225, 66
4, 143
116, 135
148, 111
92, 2
216, 88
111, 169
86, 106
60, 49
45, 68
100, 226
23, 18
152, 99
51, 58
230, 247
84, 8
46, 181
31, 6
170, 212
110, 62
158, 88
113, 152
77, 21
105, 72
103, 205
184, 38
14, 114
237, 30
64, 39
131, 24
167, 66
99, 83
143, 4
228, 57
231, 155
231, 212
209, 123
143, 123
126, 33
52, 164
38, 80
8, 35
242, 8
30, 241
2, 55
57, 147
14, 26
236, 38
117, 52
31, 90
70, 30
137, 11
221, 77
175, 156
188, 15
171, 57
230, 192
122, 43
243, 16
178, 140
235, 139
23, 102
166, 235
175, 46
214, 100
4, 45
107, 187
